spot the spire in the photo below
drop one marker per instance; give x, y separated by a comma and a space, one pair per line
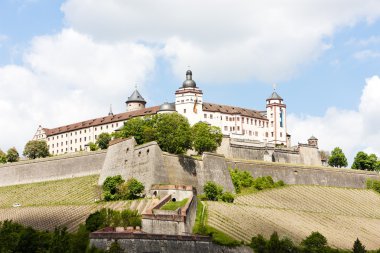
274, 94
110, 113
136, 97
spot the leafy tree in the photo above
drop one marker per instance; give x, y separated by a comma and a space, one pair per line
206, 138
103, 140
3, 157
79, 240
12, 155
110, 186
141, 128
363, 161
36, 149
212, 191
337, 158
373, 184
132, 189
173, 133
96, 221
315, 243
259, 244
60, 242
358, 247
93, 146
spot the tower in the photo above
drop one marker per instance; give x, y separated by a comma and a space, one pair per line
188, 99
276, 114
135, 101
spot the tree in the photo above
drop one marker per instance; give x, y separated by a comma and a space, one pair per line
212, 191
110, 186
363, 161
142, 129
103, 140
12, 155
315, 243
3, 157
36, 149
132, 189
60, 241
173, 133
115, 248
337, 158
358, 247
206, 138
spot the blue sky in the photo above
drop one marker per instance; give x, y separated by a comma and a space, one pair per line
63, 61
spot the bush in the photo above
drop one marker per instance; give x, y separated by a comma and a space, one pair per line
103, 140
93, 146
36, 149
373, 184
110, 186
212, 191
244, 180
96, 221
315, 242
132, 189
228, 197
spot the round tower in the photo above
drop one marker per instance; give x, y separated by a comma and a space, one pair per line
135, 102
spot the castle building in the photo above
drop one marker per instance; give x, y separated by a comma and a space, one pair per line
267, 126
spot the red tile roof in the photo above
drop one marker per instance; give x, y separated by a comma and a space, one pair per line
233, 110
101, 121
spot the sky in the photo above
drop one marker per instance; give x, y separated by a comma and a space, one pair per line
67, 61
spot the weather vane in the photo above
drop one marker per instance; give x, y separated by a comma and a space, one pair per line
274, 86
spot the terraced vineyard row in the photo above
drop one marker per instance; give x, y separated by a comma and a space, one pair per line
73, 191
49, 217
341, 215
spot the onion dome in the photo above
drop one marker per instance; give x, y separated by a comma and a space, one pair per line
189, 82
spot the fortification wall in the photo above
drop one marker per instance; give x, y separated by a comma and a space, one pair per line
304, 154
139, 243
52, 168
308, 175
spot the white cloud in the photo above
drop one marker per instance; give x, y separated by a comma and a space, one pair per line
227, 40
352, 130
65, 78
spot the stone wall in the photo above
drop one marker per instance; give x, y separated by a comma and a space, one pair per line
250, 150
308, 175
147, 243
52, 168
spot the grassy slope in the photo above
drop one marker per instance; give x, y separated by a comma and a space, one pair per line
340, 214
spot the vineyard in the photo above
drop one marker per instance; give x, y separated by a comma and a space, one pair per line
340, 214
65, 202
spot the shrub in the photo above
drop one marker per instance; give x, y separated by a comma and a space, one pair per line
36, 149
103, 140
212, 191
228, 197
132, 189
373, 184
315, 242
93, 146
110, 186
96, 221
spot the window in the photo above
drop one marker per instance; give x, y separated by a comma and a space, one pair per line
280, 134
80, 139
84, 138
57, 137
52, 145
76, 133
184, 110
242, 119
267, 124
89, 138
95, 128
48, 139
75, 140
255, 122
238, 128
101, 128
71, 141
225, 128
251, 121
205, 116
230, 129
271, 123
257, 133
96, 137
117, 124
271, 115
247, 120
250, 132
210, 116
62, 143
266, 134
226, 118
71, 134
57, 144
85, 131
271, 134
237, 118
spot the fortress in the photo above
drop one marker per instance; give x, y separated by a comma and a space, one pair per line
263, 130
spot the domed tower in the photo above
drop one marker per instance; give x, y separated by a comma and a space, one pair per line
135, 102
188, 99
167, 108
276, 115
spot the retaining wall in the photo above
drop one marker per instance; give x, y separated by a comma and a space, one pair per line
148, 243
52, 168
307, 175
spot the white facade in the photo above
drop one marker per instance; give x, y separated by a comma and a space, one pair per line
260, 126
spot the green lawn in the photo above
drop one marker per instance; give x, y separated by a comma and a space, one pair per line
174, 205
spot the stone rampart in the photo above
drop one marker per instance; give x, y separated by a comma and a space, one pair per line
142, 243
52, 168
307, 175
